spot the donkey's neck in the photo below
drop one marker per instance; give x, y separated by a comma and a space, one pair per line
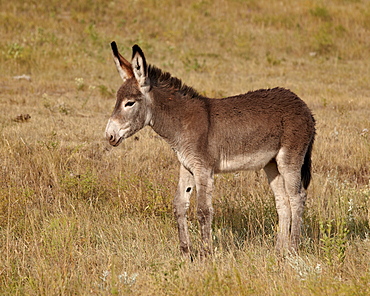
164, 121
172, 113
174, 104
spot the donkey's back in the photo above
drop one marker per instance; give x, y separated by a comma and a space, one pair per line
247, 131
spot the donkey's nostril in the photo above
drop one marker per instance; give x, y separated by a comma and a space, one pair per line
110, 138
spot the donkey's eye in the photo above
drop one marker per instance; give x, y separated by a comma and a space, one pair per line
129, 103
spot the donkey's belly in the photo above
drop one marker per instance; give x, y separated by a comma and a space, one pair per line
250, 161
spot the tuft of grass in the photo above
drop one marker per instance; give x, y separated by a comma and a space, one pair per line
321, 12
105, 92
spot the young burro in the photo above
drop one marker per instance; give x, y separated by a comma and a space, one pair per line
270, 129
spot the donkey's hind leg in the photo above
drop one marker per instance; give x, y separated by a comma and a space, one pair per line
297, 198
291, 173
276, 182
181, 204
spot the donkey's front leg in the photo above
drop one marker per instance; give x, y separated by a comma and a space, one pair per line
204, 185
181, 205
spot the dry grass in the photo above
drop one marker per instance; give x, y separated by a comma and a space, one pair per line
78, 217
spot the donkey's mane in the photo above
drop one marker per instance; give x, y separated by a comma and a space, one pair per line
164, 79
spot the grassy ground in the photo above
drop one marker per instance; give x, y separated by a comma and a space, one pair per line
79, 217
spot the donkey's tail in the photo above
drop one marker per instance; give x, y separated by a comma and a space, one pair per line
306, 167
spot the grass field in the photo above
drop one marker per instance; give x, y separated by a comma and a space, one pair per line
78, 217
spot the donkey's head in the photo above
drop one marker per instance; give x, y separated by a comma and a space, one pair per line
132, 110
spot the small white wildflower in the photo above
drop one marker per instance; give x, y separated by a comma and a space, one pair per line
335, 133
105, 275
79, 80
126, 279
350, 209
304, 269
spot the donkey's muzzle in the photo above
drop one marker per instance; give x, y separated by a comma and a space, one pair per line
113, 133
113, 139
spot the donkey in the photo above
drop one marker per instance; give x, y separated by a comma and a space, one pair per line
271, 129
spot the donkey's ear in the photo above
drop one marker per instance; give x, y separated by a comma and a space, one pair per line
123, 66
140, 68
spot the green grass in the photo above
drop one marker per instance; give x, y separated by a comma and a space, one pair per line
78, 217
